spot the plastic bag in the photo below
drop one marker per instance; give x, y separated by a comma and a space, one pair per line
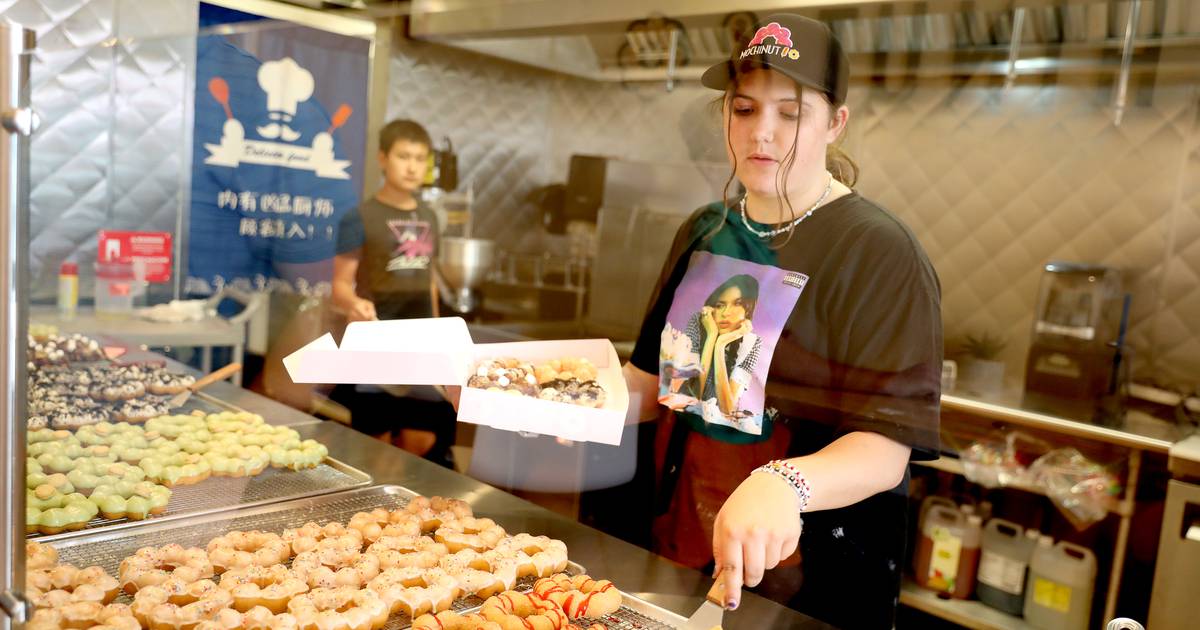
1002, 459
1081, 488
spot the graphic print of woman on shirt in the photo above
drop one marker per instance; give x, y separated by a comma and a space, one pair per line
721, 334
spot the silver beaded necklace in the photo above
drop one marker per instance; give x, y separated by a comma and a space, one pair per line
778, 231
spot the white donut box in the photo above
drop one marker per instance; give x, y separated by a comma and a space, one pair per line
439, 351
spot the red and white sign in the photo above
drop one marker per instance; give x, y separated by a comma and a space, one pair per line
150, 248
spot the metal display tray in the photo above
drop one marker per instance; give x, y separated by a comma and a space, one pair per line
106, 548
220, 494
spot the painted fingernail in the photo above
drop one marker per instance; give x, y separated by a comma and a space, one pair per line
732, 604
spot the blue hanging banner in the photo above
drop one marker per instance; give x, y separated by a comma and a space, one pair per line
278, 142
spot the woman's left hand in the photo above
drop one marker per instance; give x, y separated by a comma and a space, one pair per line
737, 333
757, 527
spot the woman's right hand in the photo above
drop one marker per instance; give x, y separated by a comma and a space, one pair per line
756, 528
361, 310
709, 322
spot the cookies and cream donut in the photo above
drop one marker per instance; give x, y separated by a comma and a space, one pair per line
574, 391
505, 375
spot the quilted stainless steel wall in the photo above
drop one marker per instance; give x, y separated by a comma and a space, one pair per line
994, 183
111, 81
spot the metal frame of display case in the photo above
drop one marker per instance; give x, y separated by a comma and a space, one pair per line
16, 46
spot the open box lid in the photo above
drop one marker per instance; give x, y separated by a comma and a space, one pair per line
439, 351
433, 351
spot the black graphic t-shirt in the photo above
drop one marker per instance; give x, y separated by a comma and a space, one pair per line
841, 326
399, 249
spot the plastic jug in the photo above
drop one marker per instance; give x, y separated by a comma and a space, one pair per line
927, 503
1059, 593
1003, 566
948, 551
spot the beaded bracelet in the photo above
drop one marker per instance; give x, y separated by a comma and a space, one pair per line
790, 474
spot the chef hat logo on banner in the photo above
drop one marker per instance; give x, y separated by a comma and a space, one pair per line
781, 35
286, 85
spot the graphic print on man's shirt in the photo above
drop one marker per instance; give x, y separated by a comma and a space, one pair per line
414, 245
724, 323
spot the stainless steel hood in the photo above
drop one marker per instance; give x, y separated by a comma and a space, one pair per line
631, 40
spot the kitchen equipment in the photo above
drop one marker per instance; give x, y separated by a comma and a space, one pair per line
1177, 571
1071, 354
463, 265
585, 188
182, 397
1061, 580
711, 613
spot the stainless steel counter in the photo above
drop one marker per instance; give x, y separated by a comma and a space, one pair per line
633, 569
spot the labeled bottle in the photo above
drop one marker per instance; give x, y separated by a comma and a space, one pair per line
68, 289
948, 551
1061, 580
1004, 565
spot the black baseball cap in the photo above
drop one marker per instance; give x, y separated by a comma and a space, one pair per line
801, 48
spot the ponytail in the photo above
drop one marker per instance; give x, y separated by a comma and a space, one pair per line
841, 166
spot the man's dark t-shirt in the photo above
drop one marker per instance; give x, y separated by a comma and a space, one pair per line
837, 331
399, 248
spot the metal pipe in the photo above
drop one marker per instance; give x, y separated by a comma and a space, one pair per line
671, 55
1014, 47
19, 122
1122, 92
1127, 506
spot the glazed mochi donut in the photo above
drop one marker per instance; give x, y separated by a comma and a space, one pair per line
255, 619
262, 587
580, 595
414, 591
479, 574
546, 555
179, 605
307, 538
477, 534
407, 551
64, 584
336, 562
450, 620
237, 550
432, 512
39, 556
381, 522
343, 608
151, 566
85, 616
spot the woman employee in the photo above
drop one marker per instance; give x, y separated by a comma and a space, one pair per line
804, 445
